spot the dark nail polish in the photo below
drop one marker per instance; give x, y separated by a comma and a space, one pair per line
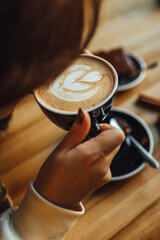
80, 115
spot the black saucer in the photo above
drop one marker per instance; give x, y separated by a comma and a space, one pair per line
128, 162
129, 82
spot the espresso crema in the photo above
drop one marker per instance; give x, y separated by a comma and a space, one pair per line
86, 83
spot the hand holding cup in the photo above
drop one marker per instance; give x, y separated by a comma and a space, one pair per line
76, 168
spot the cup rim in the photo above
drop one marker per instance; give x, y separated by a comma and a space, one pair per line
89, 109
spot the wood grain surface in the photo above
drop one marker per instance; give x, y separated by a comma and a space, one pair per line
124, 210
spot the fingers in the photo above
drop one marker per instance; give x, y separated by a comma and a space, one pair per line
78, 132
102, 164
105, 142
107, 178
86, 51
97, 153
105, 126
100, 169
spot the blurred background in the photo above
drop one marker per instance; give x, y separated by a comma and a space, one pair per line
132, 24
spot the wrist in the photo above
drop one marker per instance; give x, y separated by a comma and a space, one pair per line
43, 193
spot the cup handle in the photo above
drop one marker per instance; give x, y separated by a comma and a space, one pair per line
95, 128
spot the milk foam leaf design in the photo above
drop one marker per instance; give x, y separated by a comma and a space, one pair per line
76, 67
74, 82
72, 77
76, 85
57, 83
71, 84
93, 76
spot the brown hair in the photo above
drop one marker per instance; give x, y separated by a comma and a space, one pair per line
39, 39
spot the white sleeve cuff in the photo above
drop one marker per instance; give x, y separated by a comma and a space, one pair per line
36, 218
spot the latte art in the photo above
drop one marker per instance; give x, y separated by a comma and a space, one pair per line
77, 84
86, 83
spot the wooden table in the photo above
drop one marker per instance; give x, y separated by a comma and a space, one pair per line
124, 210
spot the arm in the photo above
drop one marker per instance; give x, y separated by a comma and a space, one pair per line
71, 172
37, 219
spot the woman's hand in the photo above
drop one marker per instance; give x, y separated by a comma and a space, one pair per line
75, 169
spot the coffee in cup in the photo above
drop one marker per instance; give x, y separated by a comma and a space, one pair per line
86, 83
90, 83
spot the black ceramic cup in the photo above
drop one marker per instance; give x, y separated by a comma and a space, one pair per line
98, 113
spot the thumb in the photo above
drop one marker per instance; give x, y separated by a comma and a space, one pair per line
78, 131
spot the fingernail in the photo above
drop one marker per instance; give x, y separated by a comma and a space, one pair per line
80, 115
